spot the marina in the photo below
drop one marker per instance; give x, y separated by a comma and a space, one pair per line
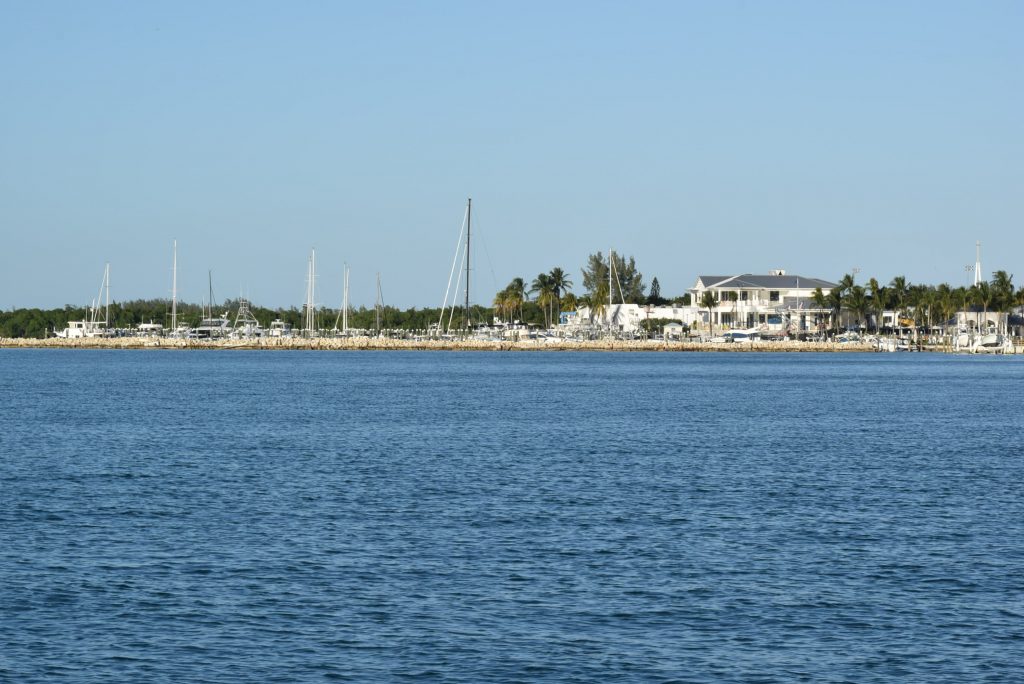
777, 311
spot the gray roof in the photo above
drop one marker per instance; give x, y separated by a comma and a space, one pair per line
767, 281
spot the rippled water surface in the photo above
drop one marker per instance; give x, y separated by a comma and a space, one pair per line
465, 517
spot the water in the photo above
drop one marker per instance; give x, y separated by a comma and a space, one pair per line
465, 517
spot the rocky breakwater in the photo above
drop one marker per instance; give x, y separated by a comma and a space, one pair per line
380, 344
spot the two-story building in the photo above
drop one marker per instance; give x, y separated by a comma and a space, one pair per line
777, 303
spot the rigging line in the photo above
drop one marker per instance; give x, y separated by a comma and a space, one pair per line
342, 306
458, 246
459, 282
618, 282
483, 242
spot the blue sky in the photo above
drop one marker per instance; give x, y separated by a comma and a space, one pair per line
716, 137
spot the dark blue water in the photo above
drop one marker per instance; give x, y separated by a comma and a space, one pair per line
461, 517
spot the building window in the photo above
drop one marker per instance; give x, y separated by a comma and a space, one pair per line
743, 296
773, 295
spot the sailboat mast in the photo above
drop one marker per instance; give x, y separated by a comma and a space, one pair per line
344, 301
310, 318
174, 289
611, 265
977, 263
378, 304
469, 223
106, 281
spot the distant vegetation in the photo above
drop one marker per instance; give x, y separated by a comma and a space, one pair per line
539, 303
124, 315
917, 304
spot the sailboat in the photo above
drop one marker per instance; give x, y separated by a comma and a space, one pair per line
212, 327
92, 326
461, 251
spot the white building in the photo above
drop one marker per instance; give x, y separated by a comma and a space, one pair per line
627, 318
775, 303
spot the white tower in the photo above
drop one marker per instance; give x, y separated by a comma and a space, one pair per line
977, 263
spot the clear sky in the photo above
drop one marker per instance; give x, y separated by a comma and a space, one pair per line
716, 137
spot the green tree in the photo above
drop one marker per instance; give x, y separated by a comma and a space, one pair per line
628, 283
899, 288
511, 299
561, 283
544, 288
878, 296
856, 302
820, 300
1002, 291
834, 299
845, 283
709, 300
654, 297
570, 302
983, 295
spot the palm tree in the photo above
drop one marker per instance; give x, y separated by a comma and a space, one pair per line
945, 304
545, 292
821, 302
599, 300
1002, 286
561, 284
569, 302
857, 303
834, 299
733, 298
922, 298
500, 303
962, 297
1003, 290
899, 287
878, 294
846, 283
708, 300
984, 295
512, 298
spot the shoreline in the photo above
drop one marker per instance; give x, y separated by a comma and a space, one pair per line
387, 344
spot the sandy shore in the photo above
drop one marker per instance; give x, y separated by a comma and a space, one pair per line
373, 343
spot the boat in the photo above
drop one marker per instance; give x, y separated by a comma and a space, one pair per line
992, 343
279, 328
93, 327
213, 328
246, 326
210, 326
962, 341
748, 335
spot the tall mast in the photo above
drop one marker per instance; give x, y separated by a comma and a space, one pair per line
611, 265
469, 223
174, 290
106, 280
379, 304
977, 263
310, 321
344, 300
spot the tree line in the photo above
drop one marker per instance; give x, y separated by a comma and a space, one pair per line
540, 302
918, 304
616, 278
